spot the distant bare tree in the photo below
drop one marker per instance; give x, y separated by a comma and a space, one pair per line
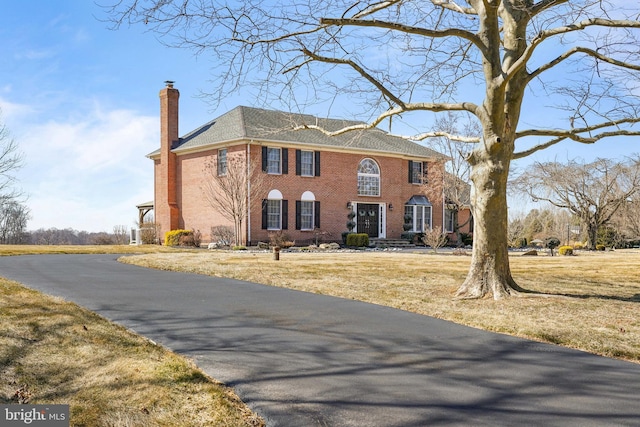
120, 234
10, 161
516, 232
101, 238
593, 192
228, 188
627, 220
13, 223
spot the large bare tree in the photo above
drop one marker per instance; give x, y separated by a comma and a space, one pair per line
593, 192
391, 58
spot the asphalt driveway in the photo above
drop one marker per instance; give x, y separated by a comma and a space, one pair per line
301, 359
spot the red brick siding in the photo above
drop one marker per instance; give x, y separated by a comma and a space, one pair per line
336, 185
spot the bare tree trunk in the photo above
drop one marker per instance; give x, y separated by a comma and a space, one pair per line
592, 235
489, 273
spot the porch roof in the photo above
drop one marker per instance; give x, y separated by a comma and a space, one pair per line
419, 200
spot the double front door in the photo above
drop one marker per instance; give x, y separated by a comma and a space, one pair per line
368, 219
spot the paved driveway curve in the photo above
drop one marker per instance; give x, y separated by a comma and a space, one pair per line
301, 359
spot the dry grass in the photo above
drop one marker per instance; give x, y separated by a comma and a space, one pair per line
592, 301
52, 351
85, 249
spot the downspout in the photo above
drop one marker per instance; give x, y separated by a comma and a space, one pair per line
444, 202
248, 221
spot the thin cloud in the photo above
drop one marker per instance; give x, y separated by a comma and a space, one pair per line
79, 169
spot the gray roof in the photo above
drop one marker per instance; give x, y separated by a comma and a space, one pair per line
247, 123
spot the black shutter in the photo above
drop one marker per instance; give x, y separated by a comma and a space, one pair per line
298, 162
285, 161
410, 172
264, 214
316, 220
317, 163
425, 169
298, 212
285, 214
264, 159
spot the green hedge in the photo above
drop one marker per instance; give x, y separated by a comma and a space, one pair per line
358, 239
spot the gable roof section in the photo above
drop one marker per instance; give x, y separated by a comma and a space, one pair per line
247, 123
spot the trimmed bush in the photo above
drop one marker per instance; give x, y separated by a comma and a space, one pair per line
344, 236
565, 250
172, 238
182, 238
600, 247
358, 239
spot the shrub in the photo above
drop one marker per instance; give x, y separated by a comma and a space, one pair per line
280, 239
578, 246
467, 239
600, 247
358, 239
182, 238
565, 250
344, 236
149, 233
223, 235
239, 248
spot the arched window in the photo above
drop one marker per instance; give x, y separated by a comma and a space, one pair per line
273, 211
368, 178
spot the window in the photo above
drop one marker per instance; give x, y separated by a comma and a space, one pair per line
273, 160
417, 214
417, 172
274, 209
274, 212
306, 215
368, 178
307, 212
307, 163
222, 162
449, 220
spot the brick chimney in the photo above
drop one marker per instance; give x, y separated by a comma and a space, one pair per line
167, 210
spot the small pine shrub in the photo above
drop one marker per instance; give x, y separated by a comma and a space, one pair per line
358, 240
565, 250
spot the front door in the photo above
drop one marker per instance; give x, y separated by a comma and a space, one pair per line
368, 219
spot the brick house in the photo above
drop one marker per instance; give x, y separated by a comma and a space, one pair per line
310, 182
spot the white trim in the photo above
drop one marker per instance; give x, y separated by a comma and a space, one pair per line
308, 196
275, 195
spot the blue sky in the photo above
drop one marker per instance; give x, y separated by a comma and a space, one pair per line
81, 100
